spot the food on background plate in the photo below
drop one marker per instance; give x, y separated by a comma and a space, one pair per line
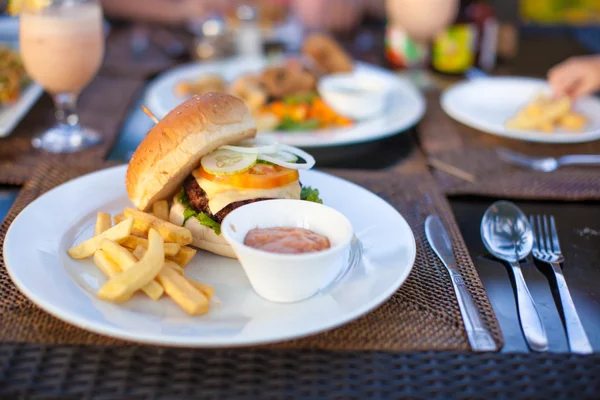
286, 240
291, 79
284, 96
546, 114
204, 157
13, 77
327, 54
204, 84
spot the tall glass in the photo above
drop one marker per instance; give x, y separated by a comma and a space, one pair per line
62, 46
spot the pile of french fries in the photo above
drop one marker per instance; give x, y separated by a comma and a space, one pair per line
546, 115
144, 252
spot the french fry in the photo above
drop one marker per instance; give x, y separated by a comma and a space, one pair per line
207, 290
126, 260
160, 209
193, 301
171, 249
106, 265
119, 218
573, 122
171, 233
184, 256
117, 233
541, 114
139, 252
177, 269
103, 223
140, 274
546, 126
139, 233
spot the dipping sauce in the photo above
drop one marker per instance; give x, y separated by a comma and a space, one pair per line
286, 240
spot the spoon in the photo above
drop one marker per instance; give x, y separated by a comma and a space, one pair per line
507, 235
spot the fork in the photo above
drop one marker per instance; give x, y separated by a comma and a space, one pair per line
546, 248
547, 164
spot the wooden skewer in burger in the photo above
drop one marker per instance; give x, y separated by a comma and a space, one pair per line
205, 158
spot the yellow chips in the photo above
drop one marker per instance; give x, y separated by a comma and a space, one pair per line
143, 272
151, 262
171, 233
546, 115
117, 233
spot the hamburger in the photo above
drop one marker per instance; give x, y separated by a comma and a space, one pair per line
204, 158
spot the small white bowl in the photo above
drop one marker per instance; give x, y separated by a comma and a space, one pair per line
289, 277
355, 95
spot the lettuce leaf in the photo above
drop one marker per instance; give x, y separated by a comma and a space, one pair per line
288, 124
183, 198
189, 212
301, 98
309, 194
208, 221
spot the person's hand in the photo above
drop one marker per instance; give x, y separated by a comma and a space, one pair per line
578, 76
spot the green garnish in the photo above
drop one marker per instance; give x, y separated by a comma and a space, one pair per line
289, 124
309, 194
189, 212
304, 98
264, 162
183, 198
208, 221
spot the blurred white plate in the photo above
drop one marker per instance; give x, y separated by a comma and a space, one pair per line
36, 259
11, 115
486, 104
406, 104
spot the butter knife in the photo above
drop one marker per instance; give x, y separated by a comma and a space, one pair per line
479, 336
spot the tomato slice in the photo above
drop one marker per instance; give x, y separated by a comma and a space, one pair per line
260, 176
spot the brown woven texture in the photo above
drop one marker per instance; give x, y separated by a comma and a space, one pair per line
473, 151
422, 315
103, 106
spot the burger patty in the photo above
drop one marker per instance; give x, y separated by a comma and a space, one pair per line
199, 201
196, 195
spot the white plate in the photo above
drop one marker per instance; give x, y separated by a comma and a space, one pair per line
406, 105
36, 259
486, 104
11, 115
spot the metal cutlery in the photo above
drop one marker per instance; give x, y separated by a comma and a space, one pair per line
547, 164
507, 235
479, 336
546, 248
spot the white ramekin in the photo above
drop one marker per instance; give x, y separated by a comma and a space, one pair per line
289, 277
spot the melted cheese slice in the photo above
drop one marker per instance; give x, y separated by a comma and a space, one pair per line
220, 195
